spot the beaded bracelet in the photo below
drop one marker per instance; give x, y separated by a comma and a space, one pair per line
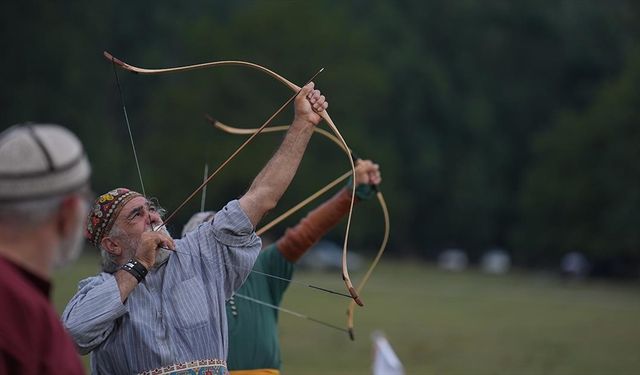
136, 269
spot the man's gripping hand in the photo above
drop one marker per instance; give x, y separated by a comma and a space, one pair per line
148, 247
308, 105
367, 173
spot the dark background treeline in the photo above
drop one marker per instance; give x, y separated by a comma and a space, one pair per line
497, 123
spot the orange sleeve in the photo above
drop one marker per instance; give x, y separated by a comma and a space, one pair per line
298, 239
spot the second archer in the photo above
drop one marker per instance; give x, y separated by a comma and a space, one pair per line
254, 347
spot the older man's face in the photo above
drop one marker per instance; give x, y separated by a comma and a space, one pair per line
136, 217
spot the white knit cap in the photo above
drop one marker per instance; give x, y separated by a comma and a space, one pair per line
40, 161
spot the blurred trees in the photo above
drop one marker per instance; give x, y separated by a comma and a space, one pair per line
583, 191
496, 123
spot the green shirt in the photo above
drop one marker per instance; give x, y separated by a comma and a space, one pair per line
253, 328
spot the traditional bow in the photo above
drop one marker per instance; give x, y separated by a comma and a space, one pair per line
290, 85
381, 200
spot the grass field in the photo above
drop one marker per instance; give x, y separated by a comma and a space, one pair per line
445, 323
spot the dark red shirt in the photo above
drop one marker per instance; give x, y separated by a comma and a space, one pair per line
32, 338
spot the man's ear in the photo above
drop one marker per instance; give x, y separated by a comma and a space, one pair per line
111, 246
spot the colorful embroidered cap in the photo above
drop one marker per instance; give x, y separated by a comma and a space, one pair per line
105, 211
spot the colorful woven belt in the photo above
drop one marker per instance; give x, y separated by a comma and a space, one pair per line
200, 367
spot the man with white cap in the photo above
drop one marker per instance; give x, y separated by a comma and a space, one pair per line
44, 177
158, 306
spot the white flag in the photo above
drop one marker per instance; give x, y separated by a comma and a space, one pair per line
385, 360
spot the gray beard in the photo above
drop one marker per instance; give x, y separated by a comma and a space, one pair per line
162, 255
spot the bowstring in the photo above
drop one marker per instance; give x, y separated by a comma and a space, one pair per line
126, 118
204, 190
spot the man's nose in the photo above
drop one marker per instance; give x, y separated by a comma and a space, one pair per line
155, 218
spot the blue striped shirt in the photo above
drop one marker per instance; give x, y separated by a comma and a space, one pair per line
178, 313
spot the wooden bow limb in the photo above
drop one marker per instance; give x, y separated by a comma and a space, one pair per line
178, 69
272, 129
291, 86
383, 246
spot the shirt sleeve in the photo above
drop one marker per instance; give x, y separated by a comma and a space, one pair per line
228, 245
91, 314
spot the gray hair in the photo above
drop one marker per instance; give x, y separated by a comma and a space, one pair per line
108, 260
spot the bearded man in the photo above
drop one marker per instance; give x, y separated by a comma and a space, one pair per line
159, 305
44, 177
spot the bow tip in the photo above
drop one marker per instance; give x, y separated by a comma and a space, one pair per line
355, 296
210, 119
113, 59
